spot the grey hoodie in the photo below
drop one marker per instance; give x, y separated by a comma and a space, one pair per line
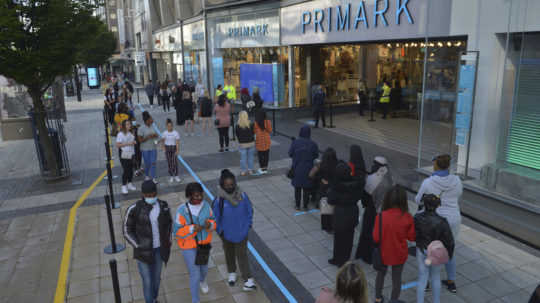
449, 189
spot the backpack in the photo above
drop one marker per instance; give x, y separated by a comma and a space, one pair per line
436, 253
318, 98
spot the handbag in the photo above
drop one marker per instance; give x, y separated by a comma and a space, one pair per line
290, 173
203, 250
376, 257
216, 122
326, 208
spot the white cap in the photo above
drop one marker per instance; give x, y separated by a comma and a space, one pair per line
381, 160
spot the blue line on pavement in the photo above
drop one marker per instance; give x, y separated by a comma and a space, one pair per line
409, 285
252, 249
306, 212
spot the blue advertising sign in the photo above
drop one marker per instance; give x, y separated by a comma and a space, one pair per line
217, 66
93, 78
258, 75
467, 74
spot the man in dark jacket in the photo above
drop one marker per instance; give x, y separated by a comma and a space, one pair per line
303, 152
429, 227
317, 101
147, 227
149, 89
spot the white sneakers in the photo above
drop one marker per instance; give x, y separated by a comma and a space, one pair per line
124, 190
155, 181
249, 285
177, 179
131, 187
204, 287
171, 180
232, 278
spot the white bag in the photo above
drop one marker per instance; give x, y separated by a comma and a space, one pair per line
326, 208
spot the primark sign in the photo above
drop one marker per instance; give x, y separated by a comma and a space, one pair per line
259, 31
363, 20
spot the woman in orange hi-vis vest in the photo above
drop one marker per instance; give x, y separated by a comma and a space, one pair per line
194, 223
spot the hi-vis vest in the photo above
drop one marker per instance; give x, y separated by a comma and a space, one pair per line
385, 98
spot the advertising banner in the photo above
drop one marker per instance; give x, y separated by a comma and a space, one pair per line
258, 75
93, 77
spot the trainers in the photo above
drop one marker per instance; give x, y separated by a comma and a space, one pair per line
451, 286
155, 181
131, 187
177, 179
171, 180
204, 287
428, 287
249, 285
232, 278
124, 190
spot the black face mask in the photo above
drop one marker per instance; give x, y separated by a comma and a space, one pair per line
229, 190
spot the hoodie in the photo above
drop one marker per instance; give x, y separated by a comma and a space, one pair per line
449, 189
237, 217
303, 152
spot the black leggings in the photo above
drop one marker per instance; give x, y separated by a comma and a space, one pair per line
263, 158
223, 136
298, 195
166, 103
127, 167
397, 270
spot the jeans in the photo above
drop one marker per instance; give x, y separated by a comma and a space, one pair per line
451, 265
197, 273
246, 158
151, 276
424, 273
150, 158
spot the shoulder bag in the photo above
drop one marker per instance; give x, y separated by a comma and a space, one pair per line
203, 250
376, 257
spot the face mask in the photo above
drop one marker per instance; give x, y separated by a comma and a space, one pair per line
150, 200
196, 201
229, 190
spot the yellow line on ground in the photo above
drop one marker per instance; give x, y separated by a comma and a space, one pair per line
60, 294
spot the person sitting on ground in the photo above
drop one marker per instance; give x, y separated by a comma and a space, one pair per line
351, 286
234, 217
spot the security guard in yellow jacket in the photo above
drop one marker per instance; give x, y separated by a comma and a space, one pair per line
230, 91
385, 98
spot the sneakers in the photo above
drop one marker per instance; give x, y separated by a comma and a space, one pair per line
155, 181
124, 190
249, 285
428, 287
232, 278
204, 287
177, 179
451, 286
131, 187
171, 180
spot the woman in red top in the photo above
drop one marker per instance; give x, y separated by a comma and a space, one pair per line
397, 228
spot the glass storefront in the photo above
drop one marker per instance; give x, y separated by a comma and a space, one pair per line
167, 46
245, 52
195, 53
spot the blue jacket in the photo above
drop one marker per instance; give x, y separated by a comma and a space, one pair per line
235, 222
303, 152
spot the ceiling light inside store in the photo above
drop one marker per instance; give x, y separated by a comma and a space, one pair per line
389, 45
439, 44
458, 43
397, 44
406, 44
449, 43
432, 45
432, 54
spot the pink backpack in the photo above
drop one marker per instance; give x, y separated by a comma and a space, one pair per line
436, 254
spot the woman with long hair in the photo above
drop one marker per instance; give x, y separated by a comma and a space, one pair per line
206, 112
325, 176
396, 228
125, 141
351, 286
246, 139
222, 111
263, 129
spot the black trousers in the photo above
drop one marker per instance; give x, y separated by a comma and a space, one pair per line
362, 105
127, 168
365, 245
385, 107
223, 137
263, 158
166, 105
304, 194
343, 244
319, 113
397, 270
179, 116
150, 99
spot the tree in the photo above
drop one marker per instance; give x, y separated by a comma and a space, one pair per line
40, 40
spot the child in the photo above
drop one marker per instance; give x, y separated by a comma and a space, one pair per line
171, 146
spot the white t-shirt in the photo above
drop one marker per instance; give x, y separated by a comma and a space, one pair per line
154, 214
171, 137
127, 151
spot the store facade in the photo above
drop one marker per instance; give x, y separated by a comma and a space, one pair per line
195, 62
245, 51
464, 70
167, 54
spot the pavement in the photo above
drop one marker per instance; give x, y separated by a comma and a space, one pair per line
34, 219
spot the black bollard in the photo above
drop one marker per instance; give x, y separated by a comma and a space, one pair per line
116, 285
114, 247
138, 101
331, 116
371, 111
109, 181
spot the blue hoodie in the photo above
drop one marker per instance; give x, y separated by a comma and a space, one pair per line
303, 152
235, 222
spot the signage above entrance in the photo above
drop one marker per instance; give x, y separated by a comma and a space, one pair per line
252, 30
332, 21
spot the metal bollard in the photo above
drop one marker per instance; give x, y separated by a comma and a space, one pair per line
114, 247
331, 116
371, 110
116, 285
138, 101
109, 181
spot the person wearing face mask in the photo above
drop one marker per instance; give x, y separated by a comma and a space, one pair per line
234, 217
193, 225
147, 227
